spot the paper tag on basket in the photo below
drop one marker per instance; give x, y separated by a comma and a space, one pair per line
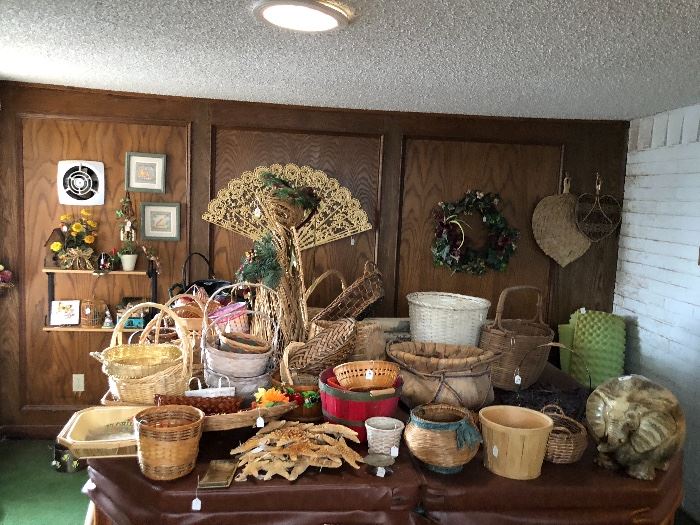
258, 449
369, 375
494, 451
260, 422
394, 452
196, 504
381, 472
582, 310
87, 310
89, 485
518, 379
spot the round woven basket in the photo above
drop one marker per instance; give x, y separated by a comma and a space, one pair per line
383, 433
444, 437
242, 343
451, 318
367, 375
138, 360
568, 440
168, 440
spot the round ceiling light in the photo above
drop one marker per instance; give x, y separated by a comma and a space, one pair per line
302, 15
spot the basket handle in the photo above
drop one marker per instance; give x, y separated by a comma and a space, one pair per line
185, 340
320, 278
370, 268
502, 304
285, 373
199, 383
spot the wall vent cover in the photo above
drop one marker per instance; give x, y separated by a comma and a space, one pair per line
81, 182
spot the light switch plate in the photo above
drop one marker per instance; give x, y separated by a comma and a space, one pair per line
78, 382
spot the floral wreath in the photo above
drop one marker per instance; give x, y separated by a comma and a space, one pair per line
451, 248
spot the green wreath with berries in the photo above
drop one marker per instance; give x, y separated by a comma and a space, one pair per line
451, 247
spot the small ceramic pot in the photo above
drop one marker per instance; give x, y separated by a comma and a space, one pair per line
129, 261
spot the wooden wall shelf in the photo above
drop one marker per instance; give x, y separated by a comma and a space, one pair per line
91, 272
85, 329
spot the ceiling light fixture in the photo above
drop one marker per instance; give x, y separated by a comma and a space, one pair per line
302, 15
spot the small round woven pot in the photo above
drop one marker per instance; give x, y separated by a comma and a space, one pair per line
444, 437
568, 440
168, 440
383, 433
367, 375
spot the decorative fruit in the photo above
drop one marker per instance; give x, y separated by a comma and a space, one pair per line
5, 275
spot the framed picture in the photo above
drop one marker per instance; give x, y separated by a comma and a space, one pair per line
65, 313
145, 172
160, 221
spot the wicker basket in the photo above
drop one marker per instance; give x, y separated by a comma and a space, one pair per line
444, 437
242, 343
284, 212
171, 380
92, 312
383, 434
168, 440
245, 386
312, 311
439, 317
568, 440
355, 299
332, 344
522, 343
367, 375
138, 360
300, 413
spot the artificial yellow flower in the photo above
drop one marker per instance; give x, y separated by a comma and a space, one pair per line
77, 227
92, 223
74, 234
270, 397
66, 217
56, 246
85, 213
89, 239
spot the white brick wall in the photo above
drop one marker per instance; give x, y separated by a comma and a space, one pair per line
658, 278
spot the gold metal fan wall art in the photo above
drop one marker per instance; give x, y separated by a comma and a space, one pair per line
237, 206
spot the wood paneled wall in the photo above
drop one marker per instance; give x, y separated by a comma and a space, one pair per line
398, 164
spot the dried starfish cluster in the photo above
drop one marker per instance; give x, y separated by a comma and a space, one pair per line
288, 448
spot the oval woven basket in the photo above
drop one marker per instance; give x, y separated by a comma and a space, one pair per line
366, 375
444, 437
522, 343
568, 440
168, 440
242, 343
440, 317
332, 344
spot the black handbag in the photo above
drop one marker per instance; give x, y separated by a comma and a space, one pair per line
209, 285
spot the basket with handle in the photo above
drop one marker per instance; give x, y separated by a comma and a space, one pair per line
441, 317
312, 311
171, 380
568, 440
355, 299
168, 440
523, 344
332, 345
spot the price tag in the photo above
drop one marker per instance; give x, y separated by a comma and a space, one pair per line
518, 379
257, 213
381, 472
394, 452
494, 451
352, 241
258, 449
260, 422
196, 504
227, 329
369, 375
582, 310
89, 485
87, 310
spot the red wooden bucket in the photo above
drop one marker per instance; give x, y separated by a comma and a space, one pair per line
353, 408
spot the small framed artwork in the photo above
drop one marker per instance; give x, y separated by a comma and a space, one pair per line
160, 221
65, 313
145, 172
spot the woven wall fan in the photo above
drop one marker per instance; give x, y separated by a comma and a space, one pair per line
236, 207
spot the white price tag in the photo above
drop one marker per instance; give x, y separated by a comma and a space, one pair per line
196, 504
87, 310
369, 375
258, 449
582, 310
257, 213
494, 451
518, 379
260, 422
352, 241
394, 452
381, 472
227, 329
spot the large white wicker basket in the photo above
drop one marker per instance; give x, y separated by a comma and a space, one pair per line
451, 318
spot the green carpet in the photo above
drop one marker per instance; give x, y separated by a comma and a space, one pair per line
32, 492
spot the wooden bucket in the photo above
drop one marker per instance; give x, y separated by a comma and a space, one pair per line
515, 440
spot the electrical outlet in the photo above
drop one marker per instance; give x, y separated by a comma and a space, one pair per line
78, 382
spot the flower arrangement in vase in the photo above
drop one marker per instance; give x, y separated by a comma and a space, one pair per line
75, 249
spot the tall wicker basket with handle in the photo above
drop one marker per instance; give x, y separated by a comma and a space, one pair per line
522, 343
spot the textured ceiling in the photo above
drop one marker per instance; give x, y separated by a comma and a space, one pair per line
610, 59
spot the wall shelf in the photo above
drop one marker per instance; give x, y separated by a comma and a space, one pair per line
85, 329
91, 272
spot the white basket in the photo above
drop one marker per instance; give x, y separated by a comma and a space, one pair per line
383, 433
440, 317
245, 386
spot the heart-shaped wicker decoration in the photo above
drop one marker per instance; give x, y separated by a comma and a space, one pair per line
555, 230
596, 216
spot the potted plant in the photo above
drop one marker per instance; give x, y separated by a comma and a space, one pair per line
128, 254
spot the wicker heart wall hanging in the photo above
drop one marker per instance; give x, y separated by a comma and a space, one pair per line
596, 216
554, 227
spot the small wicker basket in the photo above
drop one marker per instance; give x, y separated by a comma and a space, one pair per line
168, 440
568, 439
383, 434
367, 375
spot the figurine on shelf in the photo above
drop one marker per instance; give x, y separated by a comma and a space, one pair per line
104, 262
108, 322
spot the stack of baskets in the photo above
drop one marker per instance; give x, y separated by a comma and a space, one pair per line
136, 372
522, 343
442, 363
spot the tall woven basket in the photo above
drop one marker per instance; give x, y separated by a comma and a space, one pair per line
439, 317
523, 344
